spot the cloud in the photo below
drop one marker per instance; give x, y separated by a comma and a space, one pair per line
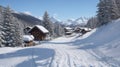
27, 12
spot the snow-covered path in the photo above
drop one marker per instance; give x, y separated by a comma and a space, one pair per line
67, 55
57, 53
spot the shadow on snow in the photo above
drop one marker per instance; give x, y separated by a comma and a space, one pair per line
33, 54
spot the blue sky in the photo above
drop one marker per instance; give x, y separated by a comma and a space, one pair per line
62, 9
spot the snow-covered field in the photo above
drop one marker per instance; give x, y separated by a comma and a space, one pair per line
98, 48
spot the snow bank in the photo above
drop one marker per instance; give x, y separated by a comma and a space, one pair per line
106, 39
28, 37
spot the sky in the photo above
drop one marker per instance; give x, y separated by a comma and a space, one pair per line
61, 9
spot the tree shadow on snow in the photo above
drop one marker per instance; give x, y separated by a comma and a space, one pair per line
32, 54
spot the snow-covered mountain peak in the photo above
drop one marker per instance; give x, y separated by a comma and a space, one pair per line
79, 21
54, 19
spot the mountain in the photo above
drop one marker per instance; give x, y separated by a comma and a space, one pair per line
24, 19
71, 22
54, 20
76, 22
81, 21
68, 22
28, 19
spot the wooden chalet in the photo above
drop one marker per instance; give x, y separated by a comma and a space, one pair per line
39, 32
77, 30
26, 30
68, 30
84, 30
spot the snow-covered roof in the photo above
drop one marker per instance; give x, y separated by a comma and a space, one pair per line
29, 27
28, 37
85, 28
68, 32
68, 28
43, 29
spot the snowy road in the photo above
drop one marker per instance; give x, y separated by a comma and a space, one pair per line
67, 55
57, 53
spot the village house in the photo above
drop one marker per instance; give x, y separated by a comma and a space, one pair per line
27, 29
82, 30
77, 29
39, 32
68, 30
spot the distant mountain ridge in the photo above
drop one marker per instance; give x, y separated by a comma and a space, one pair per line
27, 18
24, 19
82, 21
76, 22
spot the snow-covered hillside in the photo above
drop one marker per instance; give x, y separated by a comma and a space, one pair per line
98, 48
105, 42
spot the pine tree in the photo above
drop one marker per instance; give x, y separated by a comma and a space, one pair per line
8, 38
118, 5
1, 22
59, 30
48, 24
114, 10
92, 23
101, 13
18, 34
10, 28
107, 11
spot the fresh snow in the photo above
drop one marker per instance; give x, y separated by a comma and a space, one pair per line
43, 29
56, 53
98, 48
28, 37
68, 28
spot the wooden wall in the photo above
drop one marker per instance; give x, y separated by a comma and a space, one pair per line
38, 34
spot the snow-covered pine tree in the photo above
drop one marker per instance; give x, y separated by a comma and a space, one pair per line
17, 33
100, 12
107, 11
10, 29
92, 23
118, 4
48, 24
58, 29
1, 22
114, 10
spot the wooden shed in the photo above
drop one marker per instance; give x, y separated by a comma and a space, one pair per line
28, 40
39, 32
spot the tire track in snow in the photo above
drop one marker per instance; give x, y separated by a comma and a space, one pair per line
33, 60
61, 58
70, 56
105, 59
